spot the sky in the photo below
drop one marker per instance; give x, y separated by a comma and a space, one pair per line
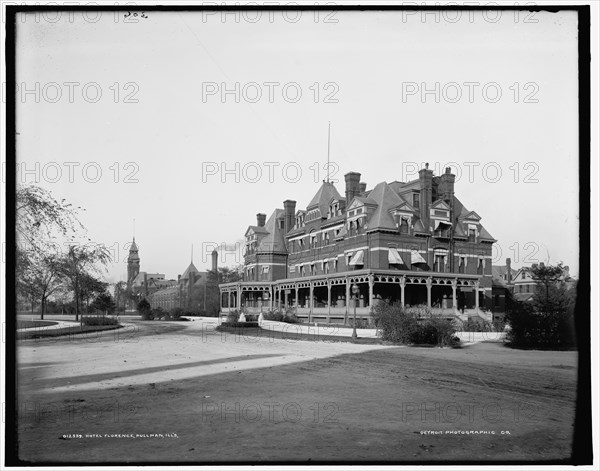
192, 123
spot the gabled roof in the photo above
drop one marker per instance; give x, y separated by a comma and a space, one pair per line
323, 197
440, 204
484, 234
471, 215
274, 240
404, 206
362, 200
386, 199
190, 269
256, 230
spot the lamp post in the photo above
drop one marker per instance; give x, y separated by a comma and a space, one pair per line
355, 291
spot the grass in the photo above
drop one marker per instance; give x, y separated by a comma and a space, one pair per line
31, 324
64, 331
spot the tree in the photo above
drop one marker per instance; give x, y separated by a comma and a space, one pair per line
120, 295
40, 219
215, 278
144, 307
90, 288
104, 302
78, 265
548, 321
49, 277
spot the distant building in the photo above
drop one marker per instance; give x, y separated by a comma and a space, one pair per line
412, 242
160, 292
502, 286
524, 285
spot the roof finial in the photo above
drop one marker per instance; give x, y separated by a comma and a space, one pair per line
328, 144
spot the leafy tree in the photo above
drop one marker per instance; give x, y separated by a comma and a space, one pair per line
143, 306
548, 321
91, 287
40, 218
104, 302
120, 295
215, 278
78, 267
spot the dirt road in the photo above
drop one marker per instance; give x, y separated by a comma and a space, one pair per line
184, 393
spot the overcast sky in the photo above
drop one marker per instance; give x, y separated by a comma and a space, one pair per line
502, 112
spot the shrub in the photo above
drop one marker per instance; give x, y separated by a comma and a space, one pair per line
280, 316
99, 320
412, 325
530, 328
233, 316
158, 313
147, 316
176, 313
476, 325
239, 324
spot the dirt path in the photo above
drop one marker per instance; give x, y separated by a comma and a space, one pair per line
228, 399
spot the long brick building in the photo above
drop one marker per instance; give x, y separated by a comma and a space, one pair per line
413, 242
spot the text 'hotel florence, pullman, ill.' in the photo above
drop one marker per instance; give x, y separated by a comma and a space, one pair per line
412, 242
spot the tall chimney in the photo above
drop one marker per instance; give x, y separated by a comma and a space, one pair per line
446, 186
260, 219
352, 186
289, 208
425, 179
508, 271
215, 258
362, 187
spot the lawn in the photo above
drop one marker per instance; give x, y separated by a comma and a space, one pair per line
193, 395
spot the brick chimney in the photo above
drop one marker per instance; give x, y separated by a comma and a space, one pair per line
352, 186
446, 185
215, 258
260, 219
426, 184
362, 187
508, 271
289, 209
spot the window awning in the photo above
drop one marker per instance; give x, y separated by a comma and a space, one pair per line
438, 222
415, 257
394, 256
358, 258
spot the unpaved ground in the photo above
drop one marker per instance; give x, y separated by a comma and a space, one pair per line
219, 397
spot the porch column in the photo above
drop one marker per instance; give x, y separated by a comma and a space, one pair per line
310, 301
328, 299
239, 298
271, 298
347, 303
371, 285
402, 286
279, 298
454, 284
428, 283
477, 295
296, 289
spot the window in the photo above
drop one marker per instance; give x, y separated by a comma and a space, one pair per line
313, 269
439, 263
462, 264
522, 275
326, 238
358, 226
326, 267
313, 241
480, 266
416, 200
403, 226
335, 262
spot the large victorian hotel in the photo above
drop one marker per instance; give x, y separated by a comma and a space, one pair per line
411, 242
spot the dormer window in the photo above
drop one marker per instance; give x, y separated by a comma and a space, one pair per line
403, 226
416, 200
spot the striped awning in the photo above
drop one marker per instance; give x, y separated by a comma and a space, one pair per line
394, 256
438, 222
358, 258
415, 257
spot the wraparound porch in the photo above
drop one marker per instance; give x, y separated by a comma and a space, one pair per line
330, 298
